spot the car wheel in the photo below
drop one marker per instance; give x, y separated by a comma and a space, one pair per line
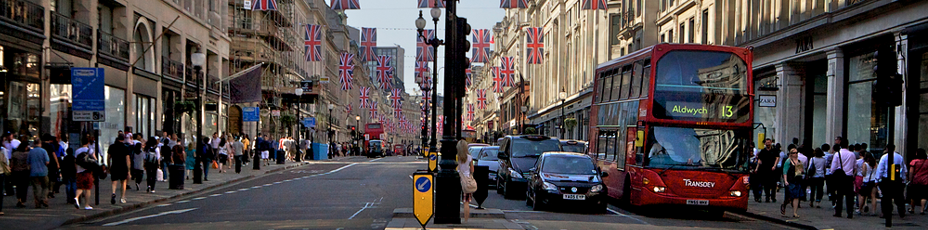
499, 186
508, 191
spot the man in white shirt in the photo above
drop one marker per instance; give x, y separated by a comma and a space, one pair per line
844, 184
891, 182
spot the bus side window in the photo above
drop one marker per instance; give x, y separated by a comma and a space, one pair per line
601, 146
616, 80
599, 87
646, 78
620, 148
626, 81
636, 80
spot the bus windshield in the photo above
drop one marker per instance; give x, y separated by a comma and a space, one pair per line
702, 86
697, 148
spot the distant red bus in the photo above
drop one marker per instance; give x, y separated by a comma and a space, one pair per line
373, 132
672, 124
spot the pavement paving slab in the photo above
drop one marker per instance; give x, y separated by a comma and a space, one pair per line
821, 218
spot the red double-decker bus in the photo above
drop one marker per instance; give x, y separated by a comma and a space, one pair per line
672, 124
374, 140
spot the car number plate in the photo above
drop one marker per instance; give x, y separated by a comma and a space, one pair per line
697, 202
574, 197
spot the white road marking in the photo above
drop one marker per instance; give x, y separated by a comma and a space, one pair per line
627, 216
256, 187
243, 189
215, 195
410, 176
183, 201
376, 159
149, 216
230, 192
163, 205
366, 206
199, 198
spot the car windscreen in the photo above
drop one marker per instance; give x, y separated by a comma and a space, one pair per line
489, 154
572, 165
526, 147
577, 148
474, 150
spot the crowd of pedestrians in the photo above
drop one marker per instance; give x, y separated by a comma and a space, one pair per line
848, 175
48, 163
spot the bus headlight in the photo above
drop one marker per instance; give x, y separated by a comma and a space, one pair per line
735, 193
596, 188
659, 189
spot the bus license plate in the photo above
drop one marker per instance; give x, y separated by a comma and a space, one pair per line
574, 197
697, 202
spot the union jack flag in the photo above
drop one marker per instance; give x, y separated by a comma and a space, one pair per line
398, 110
426, 96
422, 72
470, 112
423, 50
481, 45
264, 5
395, 97
482, 98
365, 97
511, 4
431, 4
508, 71
382, 119
348, 108
467, 80
384, 71
595, 5
312, 42
345, 5
373, 111
345, 70
534, 45
497, 80
368, 44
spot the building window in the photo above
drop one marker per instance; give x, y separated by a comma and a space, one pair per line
670, 36
866, 121
616, 20
705, 26
115, 116
144, 114
682, 33
689, 36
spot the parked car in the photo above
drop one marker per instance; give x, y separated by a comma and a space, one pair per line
489, 156
517, 154
473, 148
566, 178
574, 146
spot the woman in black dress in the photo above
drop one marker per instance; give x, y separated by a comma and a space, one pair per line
118, 160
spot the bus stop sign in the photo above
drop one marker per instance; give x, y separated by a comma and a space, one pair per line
423, 201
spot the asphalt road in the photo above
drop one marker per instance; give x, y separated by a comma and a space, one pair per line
361, 194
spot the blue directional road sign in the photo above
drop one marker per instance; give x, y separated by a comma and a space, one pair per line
251, 114
309, 122
88, 100
423, 197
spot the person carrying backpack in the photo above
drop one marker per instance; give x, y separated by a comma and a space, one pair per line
152, 162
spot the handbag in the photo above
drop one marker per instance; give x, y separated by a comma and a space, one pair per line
215, 165
4, 166
468, 184
810, 172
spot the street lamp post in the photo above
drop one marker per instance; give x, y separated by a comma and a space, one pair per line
424, 85
299, 119
357, 128
435, 43
563, 96
198, 60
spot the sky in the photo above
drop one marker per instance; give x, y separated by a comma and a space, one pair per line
395, 23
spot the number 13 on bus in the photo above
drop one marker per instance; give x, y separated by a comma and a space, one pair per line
672, 124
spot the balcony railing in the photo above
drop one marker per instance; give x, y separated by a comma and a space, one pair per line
113, 46
72, 30
172, 68
191, 78
25, 13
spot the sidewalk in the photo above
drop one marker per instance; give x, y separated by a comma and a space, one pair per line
60, 213
821, 218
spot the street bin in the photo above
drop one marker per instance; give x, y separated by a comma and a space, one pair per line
279, 154
320, 151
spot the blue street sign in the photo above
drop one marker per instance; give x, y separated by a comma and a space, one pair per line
309, 122
251, 114
423, 184
88, 99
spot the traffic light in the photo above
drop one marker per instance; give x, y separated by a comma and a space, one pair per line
463, 46
353, 130
887, 89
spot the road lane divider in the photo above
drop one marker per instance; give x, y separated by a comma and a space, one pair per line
149, 216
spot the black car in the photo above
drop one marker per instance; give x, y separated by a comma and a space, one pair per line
566, 178
517, 154
574, 146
